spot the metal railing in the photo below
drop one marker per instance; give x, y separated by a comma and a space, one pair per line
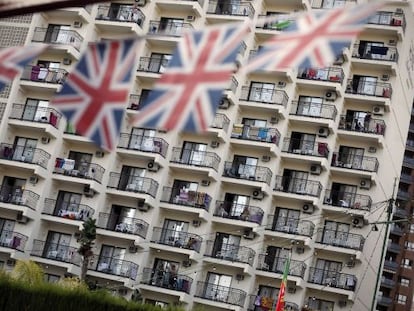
114, 266
231, 8
60, 36
313, 110
19, 197
369, 88
280, 21
153, 64
329, 74
373, 52
195, 158
290, 225
186, 197
248, 172
75, 211
86, 170
176, 238
237, 211
254, 133
321, 4
374, 126
221, 121
277, 265
298, 186
134, 102
391, 265
385, 301
261, 302
390, 283
305, 147
13, 240
264, 95
34, 113
233, 85
394, 247
169, 28
120, 14
42, 74
128, 225
386, 18
54, 251
230, 295
347, 199
230, 252
341, 239
355, 162
143, 143
24, 154
131, 183
332, 279
167, 279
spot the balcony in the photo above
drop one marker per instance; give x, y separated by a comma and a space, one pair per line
60, 37
394, 248
48, 77
13, 240
280, 21
253, 133
374, 126
224, 294
187, 7
234, 84
375, 53
168, 280
220, 126
152, 65
128, 225
268, 303
134, 102
117, 18
73, 211
185, 200
354, 162
19, 197
266, 98
397, 229
348, 200
305, 147
41, 116
137, 184
169, 28
142, 143
23, 154
408, 162
114, 266
202, 159
313, 110
320, 4
384, 301
332, 279
56, 252
290, 225
230, 252
298, 186
241, 9
388, 283
391, 265
400, 213
178, 239
368, 88
235, 211
388, 22
247, 172
277, 265
341, 239
329, 74
84, 170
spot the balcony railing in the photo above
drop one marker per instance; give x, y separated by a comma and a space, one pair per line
279, 22
384, 301
61, 36
298, 186
143, 143
195, 158
186, 197
24, 154
176, 238
231, 8
128, 225
394, 247
220, 293
34, 113
408, 162
233, 85
341, 239
373, 126
221, 121
320, 4
261, 302
152, 64
248, 172
114, 266
237, 211
391, 265
332, 279
388, 19
277, 265
13, 240
86, 170
390, 283
373, 52
400, 213
131, 183
305, 147
290, 225
169, 28
68, 210
120, 14
330, 74
254, 133
368, 88
354, 162
19, 197
313, 110
54, 251
46, 75
134, 102
348, 200
264, 95
167, 279
230, 252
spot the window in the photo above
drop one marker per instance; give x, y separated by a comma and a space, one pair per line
174, 232
335, 233
261, 92
226, 246
67, 204
193, 153
409, 245
143, 139
320, 305
57, 246
343, 195
111, 259
326, 272
349, 157
406, 263
82, 162
121, 219
244, 167
234, 205
6, 232
217, 287
294, 181
286, 220
302, 143
411, 228
131, 178
158, 62
57, 34
401, 299
404, 282
171, 26
275, 259
36, 110
24, 149
309, 106
12, 190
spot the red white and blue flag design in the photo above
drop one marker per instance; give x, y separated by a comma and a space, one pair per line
95, 94
188, 93
14, 59
315, 39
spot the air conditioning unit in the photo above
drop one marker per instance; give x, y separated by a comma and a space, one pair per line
281, 84
239, 277
308, 208
399, 10
224, 103
365, 184
20, 218
142, 206
378, 110
67, 61
350, 263
274, 120
187, 263
372, 149
10, 262
315, 169
190, 18
266, 158
342, 303
205, 182
33, 179
214, 144
323, 132
122, 291
133, 248
330, 95
99, 154
153, 167
258, 194
385, 77
88, 192
392, 42
196, 223
358, 221
327, 201
248, 234
141, 2
77, 24
300, 249
77, 235
45, 140
291, 289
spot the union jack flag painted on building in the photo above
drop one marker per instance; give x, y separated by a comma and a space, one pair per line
95, 94
14, 59
188, 93
315, 39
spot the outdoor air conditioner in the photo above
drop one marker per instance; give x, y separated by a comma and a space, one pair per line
20, 218
392, 42
399, 10
187, 263
300, 249
248, 234
239, 277
307, 208
142, 206
141, 2
122, 291
330, 95
266, 158
190, 18
258, 194
33, 179
315, 169
274, 120
372, 149
133, 248
385, 77
45, 140
365, 184
67, 61
342, 303
291, 289
378, 110
10, 262
196, 222
77, 24
327, 201
214, 144
99, 154
205, 183
358, 221
87, 191
323, 132
281, 84
224, 103
153, 167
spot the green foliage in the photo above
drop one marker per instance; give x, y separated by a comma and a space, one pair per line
73, 284
28, 272
87, 237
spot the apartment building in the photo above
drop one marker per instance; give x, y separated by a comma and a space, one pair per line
297, 164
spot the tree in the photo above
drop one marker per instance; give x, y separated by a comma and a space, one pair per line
86, 240
28, 272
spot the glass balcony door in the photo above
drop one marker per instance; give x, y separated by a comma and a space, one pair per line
286, 220
245, 167
326, 271
131, 178
67, 202
261, 92
295, 181
142, 139
351, 157
218, 286
36, 110
234, 204
302, 143
275, 258
174, 232
57, 245
12, 189
24, 149
110, 259
226, 246
343, 195
193, 153
310, 106
335, 233
6, 232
